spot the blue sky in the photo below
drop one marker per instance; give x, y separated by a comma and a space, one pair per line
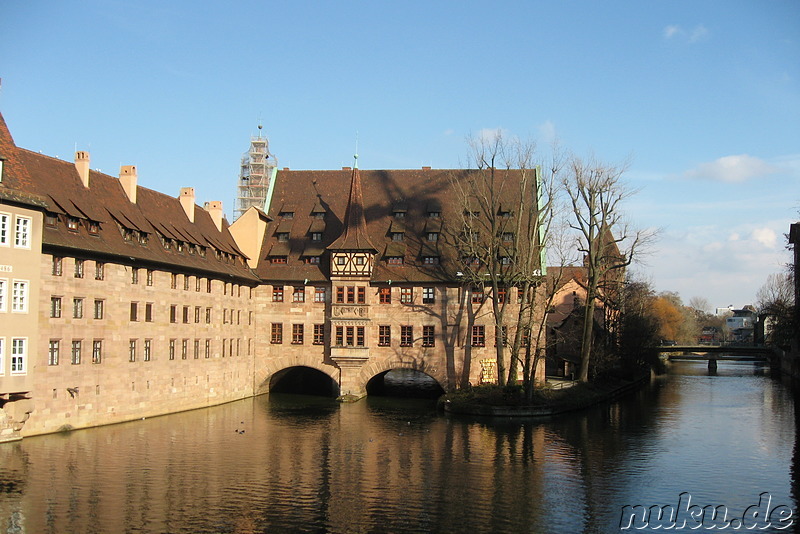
703, 97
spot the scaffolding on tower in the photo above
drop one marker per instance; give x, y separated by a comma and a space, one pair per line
256, 175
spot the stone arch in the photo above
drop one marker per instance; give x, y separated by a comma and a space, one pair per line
374, 368
274, 365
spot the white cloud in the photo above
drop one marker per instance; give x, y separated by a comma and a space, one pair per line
765, 236
696, 34
722, 263
699, 33
671, 30
547, 131
490, 134
449, 132
732, 169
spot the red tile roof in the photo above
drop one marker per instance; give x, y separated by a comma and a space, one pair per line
105, 204
415, 193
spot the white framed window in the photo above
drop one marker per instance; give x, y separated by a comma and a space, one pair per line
97, 351
5, 228
53, 352
22, 232
76, 352
19, 353
19, 296
3, 294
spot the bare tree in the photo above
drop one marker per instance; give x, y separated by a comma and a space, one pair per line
507, 213
701, 304
775, 300
596, 193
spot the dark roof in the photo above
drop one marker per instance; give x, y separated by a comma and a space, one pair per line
105, 204
412, 193
354, 233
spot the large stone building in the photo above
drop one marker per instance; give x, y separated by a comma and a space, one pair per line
140, 304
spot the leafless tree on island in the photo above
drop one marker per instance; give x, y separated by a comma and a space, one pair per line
508, 212
596, 193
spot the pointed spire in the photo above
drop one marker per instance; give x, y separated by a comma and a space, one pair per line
354, 235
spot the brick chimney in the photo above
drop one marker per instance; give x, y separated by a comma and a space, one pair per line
214, 208
127, 177
82, 166
187, 202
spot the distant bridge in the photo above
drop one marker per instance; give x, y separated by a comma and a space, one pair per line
739, 353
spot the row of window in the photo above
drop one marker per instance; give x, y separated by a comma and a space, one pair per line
19, 355
129, 234
143, 349
354, 336
22, 228
149, 276
228, 315
19, 295
77, 308
357, 294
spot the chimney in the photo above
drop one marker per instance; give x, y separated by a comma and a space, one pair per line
187, 202
214, 208
127, 177
82, 166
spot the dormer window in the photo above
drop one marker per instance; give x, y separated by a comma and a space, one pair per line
72, 224
433, 236
143, 238
399, 210
394, 260
286, 214
312, 260
397, 236
179, 246
316, 236
283, 237
430, 260
505, 214
93, 227
278, 259
51, 219
508, 236
320, 215
434, 214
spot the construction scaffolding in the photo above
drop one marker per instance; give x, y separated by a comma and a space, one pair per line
255, 177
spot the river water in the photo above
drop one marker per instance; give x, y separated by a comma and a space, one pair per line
285, 463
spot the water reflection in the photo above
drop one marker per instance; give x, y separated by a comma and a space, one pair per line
309, 464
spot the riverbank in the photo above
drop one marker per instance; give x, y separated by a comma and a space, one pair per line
507, 401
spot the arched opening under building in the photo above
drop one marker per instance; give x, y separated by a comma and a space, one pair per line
303, 381
405, 383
